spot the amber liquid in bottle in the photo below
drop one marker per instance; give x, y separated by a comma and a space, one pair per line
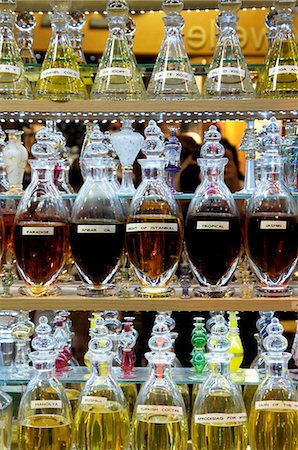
213, 250
272, 249
8, 219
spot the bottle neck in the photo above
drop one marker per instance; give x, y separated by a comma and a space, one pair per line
102, 367
44, 364
219, 364
42, 172
273, 168
152, 169
277, 364
59, 22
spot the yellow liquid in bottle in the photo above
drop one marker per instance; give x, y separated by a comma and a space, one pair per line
220, 437
184, 391
45, 432
159, 432
130, 393
248, 395
73, 396
99, 428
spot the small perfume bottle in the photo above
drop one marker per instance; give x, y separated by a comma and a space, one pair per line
236, 348
15, 157
199, 341
173, 150
127, 343
249, 145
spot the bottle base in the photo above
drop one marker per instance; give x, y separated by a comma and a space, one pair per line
276, 291
216, 292
40, 291
102, 290
154, 292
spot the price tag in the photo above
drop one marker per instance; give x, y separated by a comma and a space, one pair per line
212, 225
38, 231
155, 226
121, 71
173, 74
93, 400
46, 404
221, 418
228, 71
96, 229
277, 405
8, 68
60, 72
161, 410
283, 70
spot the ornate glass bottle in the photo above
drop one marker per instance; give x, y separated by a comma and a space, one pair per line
290, 151
276, 399
154, 229
173, 76
199, 341
212, 231
172, 155
250, 146
219, 418
15, 157
236, 348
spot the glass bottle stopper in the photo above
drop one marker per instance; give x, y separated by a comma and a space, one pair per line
44, 148
264, 316
101, 343
169, 321
212, 148
43, 340
218, 341
160, 340
130, 30
275, 342
211, 321
96, 146
153, 146
250, 142
230, 5
25, 22
270, 22
117, 9
77, 21
271, 141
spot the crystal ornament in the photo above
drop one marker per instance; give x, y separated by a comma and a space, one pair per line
249, 145
228, 75
173, 76
117, 77
25, 23
173, 150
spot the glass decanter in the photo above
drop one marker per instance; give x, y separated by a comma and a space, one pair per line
41, 224
290, 151
154, 230
6, 410
212, 230
219, 419
228, 75
15, 157
60, 78
173, 76
199, 341
236, 348
21, 333
280, 78
102, 418
173, 150
13, 82
249, 145
25, 23
97, 222
45, 412
276, 399
117, 77
159, 420
271, 223
127, 144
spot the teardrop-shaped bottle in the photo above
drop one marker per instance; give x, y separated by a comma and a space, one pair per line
212, 231
276, 399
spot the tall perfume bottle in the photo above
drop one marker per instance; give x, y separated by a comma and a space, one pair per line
276, 399
60, 78
154, 225
212, 231
102, 419
173, 76
219, 418
117, 77
45, 412
6, 409
228, 75
271, 223
97, 222
173, 150
199, 341
280, 78
26, 23
13, 82
15, 157
249, 145
159, 419
236, 348
41, 224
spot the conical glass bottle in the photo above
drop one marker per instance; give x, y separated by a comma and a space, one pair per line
41, 224
117, 77
60, 78
228, 75
212, 231
219, 418
173, 76
280, 78
97, 223
102, 418
154, 230
271, 223
159, 420
13, 82
6, 408
15, 157
274, 415
26, 23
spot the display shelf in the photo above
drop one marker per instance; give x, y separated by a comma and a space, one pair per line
195, 110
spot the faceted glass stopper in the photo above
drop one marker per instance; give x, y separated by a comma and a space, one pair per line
212, 147
97, 146
161, 339
25, 21
271, 138
43, 340
153, 146
101, 342
270, 20
45, 147
77, 20
218, 341
275, 342
130, 27
117, 8
172, 6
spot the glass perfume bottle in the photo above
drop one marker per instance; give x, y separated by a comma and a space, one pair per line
199, 341
271, 223
25, 23
173, 76
6, 409
154, 229
280, 77
212, 230
60, 78
41, 224
7, 321
219, 418
21, 332
45, 412
173, 150
276, 399
127, 143
97, 222
93, 138
102, 419
117, 77
13, 82
249, 145
159, 419
228, 75
15, 157
236, 348
290, 151
127, 342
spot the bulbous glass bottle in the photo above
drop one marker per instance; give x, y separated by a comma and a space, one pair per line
212, 230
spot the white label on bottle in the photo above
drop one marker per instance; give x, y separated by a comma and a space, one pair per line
60, 72
278, 405
115, 71
273, 225
92, 400
8, 68
283, 69
46, 404
212, 225
38, 231
232, 71
154, 226
96, 229
173, 74
161, 410
221, 418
